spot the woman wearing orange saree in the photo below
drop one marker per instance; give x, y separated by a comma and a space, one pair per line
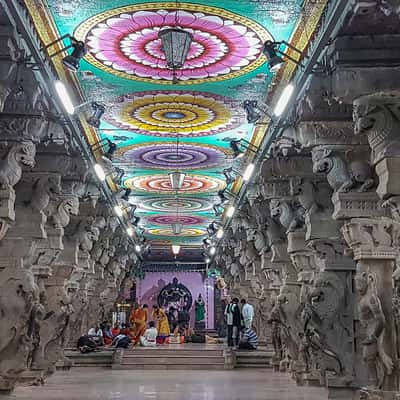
162, 324
139, 320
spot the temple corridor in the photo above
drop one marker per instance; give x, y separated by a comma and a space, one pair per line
200, 199
258, 384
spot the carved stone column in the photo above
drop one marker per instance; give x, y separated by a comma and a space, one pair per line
374, 243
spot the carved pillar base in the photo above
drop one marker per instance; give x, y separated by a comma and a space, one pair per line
32, 377
7, 384
370, 394
340, 393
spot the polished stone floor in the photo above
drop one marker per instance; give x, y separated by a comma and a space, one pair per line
84, 384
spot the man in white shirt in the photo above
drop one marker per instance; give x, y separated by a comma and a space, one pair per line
150, 336
97, 335
247, 314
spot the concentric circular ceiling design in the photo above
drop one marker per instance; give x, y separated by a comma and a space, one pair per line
171, 204
171, 113
170, 156
161, 183
124, 41
176, 219
190, 232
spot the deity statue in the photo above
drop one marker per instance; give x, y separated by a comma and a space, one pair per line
275, 320
175, 294
372, 319
199, 308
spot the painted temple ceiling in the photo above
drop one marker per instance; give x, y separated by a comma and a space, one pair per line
161, 126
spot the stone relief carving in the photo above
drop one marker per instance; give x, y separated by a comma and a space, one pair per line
276, 335
373, 320
18, 298
79, 304
370, 236
396, 306
44, 188
342, 172
378, 116
290, 214
289, 311
59, 212
9, 71
18, 154
326, 328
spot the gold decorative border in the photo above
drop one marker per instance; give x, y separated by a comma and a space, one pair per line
300, 39
82, 30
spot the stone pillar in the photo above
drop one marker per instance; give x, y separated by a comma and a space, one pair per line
377, 117
374, 243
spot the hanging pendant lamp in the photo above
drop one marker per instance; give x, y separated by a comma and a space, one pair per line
176, 248
176, 228
175, 45
176, 179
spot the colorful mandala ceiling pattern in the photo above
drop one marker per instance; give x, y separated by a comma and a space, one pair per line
146, 114
161, 183
172, 113
186, 156
171, 204
185, 232
124, 41
176, 219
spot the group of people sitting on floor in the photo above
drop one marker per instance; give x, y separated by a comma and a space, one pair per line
165, 327
104, 335
170, 327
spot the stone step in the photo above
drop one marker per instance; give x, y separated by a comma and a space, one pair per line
184, 360
157, 352
171, 358
166, 367
256, 366
253, 362
253, 359
255, 353
102, 359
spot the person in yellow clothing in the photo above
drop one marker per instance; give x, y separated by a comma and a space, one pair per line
162, 324
139, 321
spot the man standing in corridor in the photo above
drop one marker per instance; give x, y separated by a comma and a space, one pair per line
247, 314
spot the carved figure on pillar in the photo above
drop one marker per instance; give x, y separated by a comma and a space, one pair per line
18, 296
326, 328
343, 170
378, 116
19, 154
59, 212
275, 321
289, 214
372, 318
288, 309
396, 307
